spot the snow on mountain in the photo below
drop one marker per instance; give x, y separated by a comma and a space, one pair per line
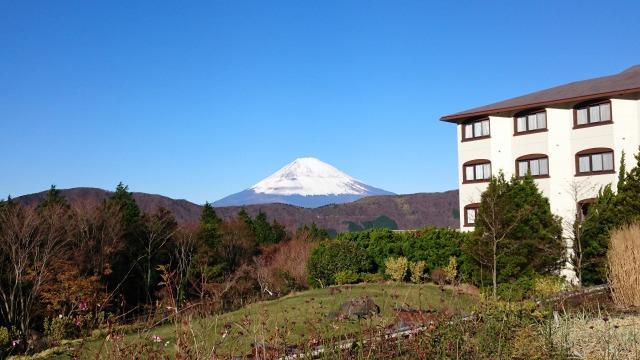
306, 182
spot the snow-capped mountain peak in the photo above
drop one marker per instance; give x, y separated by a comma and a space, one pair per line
309, 176
306, 182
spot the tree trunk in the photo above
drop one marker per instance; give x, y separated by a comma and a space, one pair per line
495, 272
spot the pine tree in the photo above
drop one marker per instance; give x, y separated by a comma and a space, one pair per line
53, 197
515, 233
262, 229
209, 231
127, 268
609, 211
244, 216
208, 264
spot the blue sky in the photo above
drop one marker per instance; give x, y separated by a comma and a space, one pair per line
202, 100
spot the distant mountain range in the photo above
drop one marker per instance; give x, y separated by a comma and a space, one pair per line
393, 211
306, 182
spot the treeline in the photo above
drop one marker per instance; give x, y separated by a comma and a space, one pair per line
67, 270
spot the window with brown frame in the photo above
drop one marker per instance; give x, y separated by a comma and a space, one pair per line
535, 164
476, 171
583, 208
470, 214
530, 122
478, 129
595, 161
591, 114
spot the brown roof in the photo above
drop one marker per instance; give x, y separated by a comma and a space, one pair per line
625, 82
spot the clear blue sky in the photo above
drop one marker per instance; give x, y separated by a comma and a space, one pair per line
201, 100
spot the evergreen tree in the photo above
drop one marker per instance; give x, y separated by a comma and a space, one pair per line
595, 236
628, 197
609, 211
53, 197
207, 262
262, 229
279, 231
128, 271
515, 233
244, 216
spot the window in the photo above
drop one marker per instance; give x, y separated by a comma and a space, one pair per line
594, 161
476, 171
470, 214
536, 164
531, 122
583, 208
475, 130
593, 114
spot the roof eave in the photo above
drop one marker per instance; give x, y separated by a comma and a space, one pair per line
459, 117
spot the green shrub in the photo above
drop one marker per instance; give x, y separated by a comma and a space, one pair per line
544, 286
334, 256
417, 271
432, 245
346, 277
372, 278
57, 328
396, 268
4, 338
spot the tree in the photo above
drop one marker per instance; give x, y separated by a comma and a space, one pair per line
262, 229
312, 232
515, 232
127, 273
244, 216
578, 190
30, 242
53, 197
161, 227
237, 243
207, 262
609, 211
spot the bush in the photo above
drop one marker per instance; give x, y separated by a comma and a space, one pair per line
547, 285
417, 271
516, 290
451, 271
396, 268
372, 278
624, 266
4, 339
346, 277
432, 245
333, 256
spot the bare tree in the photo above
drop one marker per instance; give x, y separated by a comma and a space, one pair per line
99, 234
184, 253
30, 241
161, 228
497, 230
572, 225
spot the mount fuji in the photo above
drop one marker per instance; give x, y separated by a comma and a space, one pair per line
306, 182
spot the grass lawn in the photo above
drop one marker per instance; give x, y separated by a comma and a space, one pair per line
296, 318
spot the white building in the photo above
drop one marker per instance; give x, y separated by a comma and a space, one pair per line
570, 137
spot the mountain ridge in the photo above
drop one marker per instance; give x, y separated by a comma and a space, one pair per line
409, 211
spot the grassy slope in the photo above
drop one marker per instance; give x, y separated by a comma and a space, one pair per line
299, 317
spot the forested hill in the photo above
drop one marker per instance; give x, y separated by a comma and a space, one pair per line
394, 211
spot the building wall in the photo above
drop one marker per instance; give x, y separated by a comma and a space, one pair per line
560, 143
